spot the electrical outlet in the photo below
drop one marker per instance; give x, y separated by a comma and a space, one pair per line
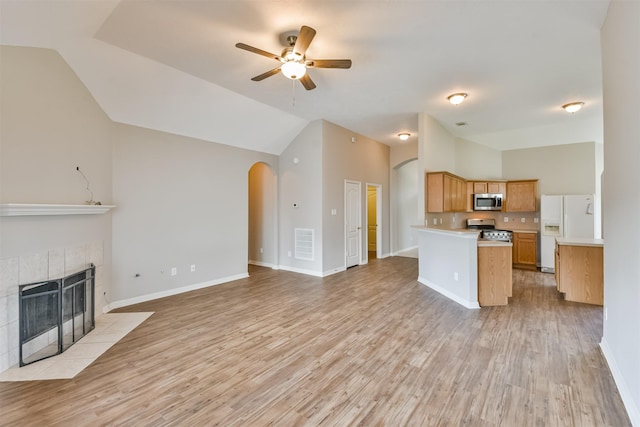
535, 220
289, 254
523, 220
435, 221
193, 268
455, 276
506, 219
440, 220
261, 250
174, 271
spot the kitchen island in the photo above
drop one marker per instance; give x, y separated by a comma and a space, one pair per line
448, 263
579, 270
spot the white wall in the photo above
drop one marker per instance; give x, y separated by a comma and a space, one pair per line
405, 205
621, 199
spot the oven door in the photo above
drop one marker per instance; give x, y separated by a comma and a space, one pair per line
487, 202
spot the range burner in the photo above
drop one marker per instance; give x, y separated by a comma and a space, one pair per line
489, 231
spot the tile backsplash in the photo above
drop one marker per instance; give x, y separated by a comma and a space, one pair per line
46, 265
458, 219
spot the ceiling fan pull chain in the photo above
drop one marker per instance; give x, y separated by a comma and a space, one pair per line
293, 93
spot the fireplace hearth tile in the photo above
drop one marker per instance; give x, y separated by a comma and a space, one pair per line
80, 355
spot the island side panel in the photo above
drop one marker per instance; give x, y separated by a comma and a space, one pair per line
448, 264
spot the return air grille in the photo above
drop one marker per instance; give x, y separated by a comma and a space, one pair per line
304, 243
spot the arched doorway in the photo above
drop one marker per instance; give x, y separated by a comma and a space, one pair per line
405, 209
263, 233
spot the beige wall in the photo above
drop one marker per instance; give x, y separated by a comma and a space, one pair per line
560, 169
366, 161
475, 161
49, 125
181, 202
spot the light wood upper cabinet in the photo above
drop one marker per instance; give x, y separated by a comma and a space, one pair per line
492, 187
521, 196
525, 250
445, 192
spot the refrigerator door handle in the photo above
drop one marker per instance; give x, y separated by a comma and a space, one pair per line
589, 209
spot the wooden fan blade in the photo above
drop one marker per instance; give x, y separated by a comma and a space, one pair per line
258, 51
304, 40
328, 63
307, 82
267, 74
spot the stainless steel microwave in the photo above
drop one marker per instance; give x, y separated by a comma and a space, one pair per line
487, 202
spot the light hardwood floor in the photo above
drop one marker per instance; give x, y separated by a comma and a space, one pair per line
368, 346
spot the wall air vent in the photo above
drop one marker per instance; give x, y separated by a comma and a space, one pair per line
462, 124
304, 244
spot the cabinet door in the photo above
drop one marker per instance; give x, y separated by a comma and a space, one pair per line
434, 186
496, 187
480, 187
448, 192
525, 250
521, 196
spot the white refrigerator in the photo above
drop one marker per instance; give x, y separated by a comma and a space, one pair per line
563, 216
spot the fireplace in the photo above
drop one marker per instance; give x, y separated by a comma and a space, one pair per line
55, 314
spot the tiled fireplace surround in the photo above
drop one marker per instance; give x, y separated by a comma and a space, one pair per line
47, 265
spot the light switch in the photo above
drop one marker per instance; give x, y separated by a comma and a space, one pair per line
334, 212
523, 220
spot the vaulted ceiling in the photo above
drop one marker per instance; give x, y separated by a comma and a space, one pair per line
173, 65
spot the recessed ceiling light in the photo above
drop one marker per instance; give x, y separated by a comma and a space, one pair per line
404, 136
457, 98
573, 107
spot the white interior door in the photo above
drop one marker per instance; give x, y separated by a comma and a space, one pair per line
353, 222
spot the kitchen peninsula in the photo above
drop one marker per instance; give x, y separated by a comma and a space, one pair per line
448, 263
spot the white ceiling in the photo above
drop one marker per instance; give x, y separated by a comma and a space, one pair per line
173, 65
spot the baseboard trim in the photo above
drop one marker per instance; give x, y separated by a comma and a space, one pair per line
627, 398
170, 292
463, 302
300, 270
262, 264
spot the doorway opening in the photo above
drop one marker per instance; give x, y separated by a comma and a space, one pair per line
374, 221
262, 227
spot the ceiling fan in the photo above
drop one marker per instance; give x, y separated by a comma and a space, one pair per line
294, 62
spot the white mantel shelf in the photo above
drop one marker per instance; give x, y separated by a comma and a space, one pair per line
18, 209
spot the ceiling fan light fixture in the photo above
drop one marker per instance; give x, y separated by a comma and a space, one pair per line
457, 98
573, 107
293, 70
404, 136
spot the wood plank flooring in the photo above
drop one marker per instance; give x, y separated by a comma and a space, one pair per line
369, 346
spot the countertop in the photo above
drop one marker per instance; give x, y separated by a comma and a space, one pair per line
579, 241
488, 243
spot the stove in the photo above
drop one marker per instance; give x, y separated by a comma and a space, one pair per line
489, 230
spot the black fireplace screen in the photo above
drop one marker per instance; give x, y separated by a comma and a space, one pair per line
55, 314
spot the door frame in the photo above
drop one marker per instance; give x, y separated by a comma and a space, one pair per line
345, 240
378, 188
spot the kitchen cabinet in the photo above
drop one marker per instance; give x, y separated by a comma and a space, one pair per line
525, 250
494, 275
580, 270
482, 187
445, 192
521, 196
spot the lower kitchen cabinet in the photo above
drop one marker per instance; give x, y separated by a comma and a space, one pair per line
525, 250
494, 275
580, 271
